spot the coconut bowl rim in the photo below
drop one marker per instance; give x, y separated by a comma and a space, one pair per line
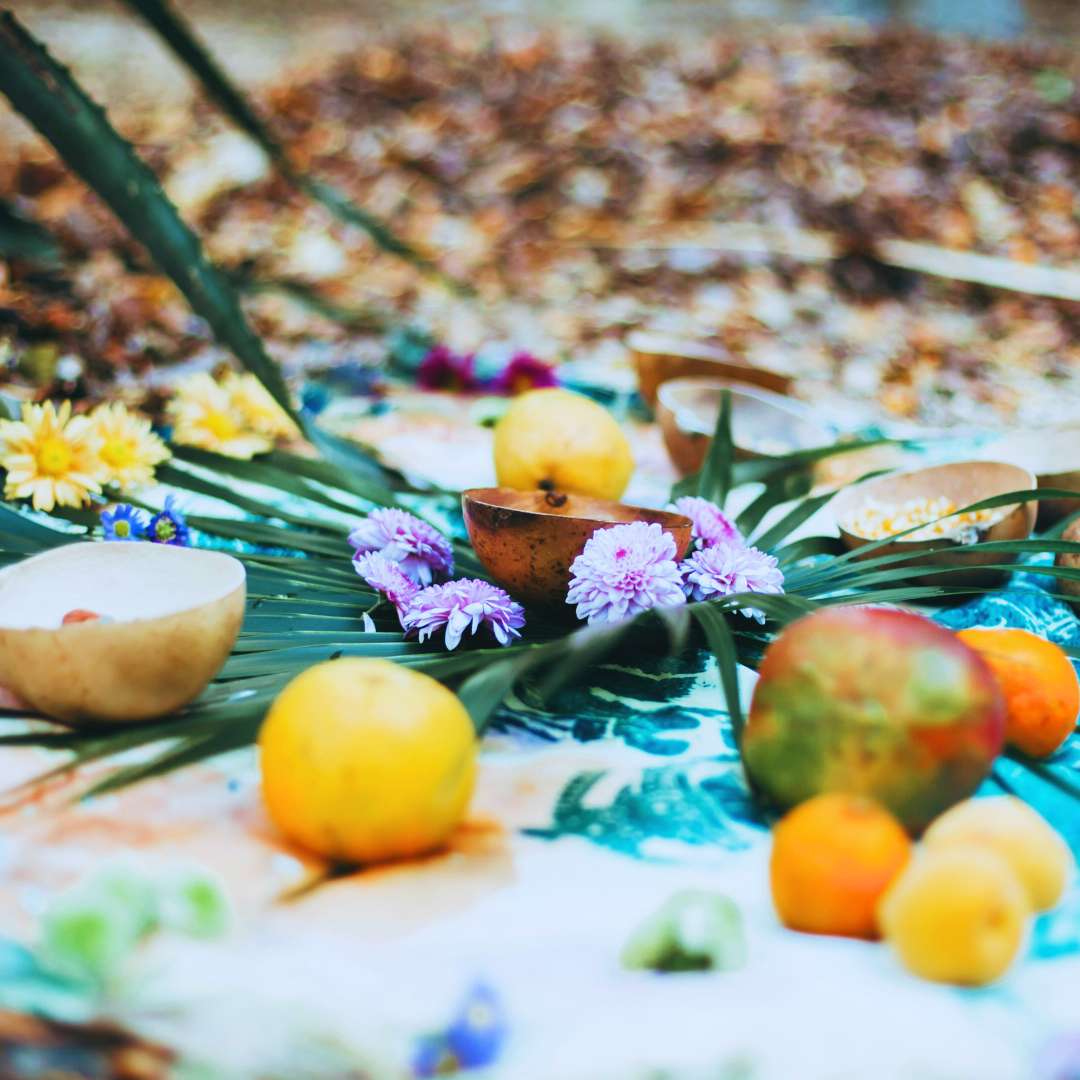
671, 518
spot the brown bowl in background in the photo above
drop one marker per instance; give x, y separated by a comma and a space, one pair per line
527, 540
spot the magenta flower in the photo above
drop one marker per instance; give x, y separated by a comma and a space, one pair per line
386, 577
711, 524
724, 569
444, 369
524, 372
623, 570
419, 549
465, 604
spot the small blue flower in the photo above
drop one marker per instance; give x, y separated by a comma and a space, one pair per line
168, 526
473, 1040
124, 522
478, 1032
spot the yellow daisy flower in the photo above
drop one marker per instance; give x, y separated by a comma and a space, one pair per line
204, 415
129, 449
262, 412
50, 457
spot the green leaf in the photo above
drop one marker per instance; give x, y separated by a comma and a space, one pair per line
715, 480
722, 644
45, 93
27, 240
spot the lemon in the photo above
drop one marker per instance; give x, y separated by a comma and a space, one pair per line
956, 915
1039, 857
364, 761
560, 441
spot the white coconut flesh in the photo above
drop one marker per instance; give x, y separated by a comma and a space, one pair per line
122, 582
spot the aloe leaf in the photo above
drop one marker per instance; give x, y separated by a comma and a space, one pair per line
21, 238
44, 92
220, 88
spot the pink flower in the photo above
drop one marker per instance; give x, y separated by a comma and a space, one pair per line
623, 570
524, 372
711, 524
444, 369
724, 569
386, 577
419, 549
465, 604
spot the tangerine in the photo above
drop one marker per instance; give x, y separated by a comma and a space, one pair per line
833, 857
1039, 684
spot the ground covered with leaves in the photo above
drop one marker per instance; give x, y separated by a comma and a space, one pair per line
529, 163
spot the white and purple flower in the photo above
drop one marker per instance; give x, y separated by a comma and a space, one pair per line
419, 549
624, 570
711, 524
725, 569
386, 577
465, 604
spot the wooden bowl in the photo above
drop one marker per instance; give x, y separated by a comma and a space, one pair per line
170, 618
659, 358
1053, 455
964, 483
527, 540
761, 422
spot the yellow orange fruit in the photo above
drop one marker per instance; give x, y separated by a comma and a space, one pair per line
1039, 857
956, 915
557, 440
363, 761
1038, 681
832, 858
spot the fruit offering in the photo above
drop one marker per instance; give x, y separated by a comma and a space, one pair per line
364, 761
873, 702
832, 858
956, 915
556, 440
1038, 681
1039, 857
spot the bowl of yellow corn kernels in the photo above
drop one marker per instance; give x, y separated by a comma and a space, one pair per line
932, 503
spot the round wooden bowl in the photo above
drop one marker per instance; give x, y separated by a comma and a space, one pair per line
527, 540
761, 422
659, 358
964, 483
170, 616
1053, 455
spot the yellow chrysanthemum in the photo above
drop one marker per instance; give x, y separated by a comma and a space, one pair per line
129, 449
50, 457
262, 412
204, 415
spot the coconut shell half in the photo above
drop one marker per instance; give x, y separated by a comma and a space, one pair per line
168, 618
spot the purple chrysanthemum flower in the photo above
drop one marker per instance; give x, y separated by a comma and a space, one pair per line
124, 522
168, 526
462, 605
444, 369
524, 372
623, 570
386, 577
419, 549
711, 524
724, 569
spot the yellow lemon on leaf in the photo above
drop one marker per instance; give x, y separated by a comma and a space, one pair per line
556, 440
364, 761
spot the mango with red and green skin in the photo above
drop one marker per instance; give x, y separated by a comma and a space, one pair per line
875, 702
